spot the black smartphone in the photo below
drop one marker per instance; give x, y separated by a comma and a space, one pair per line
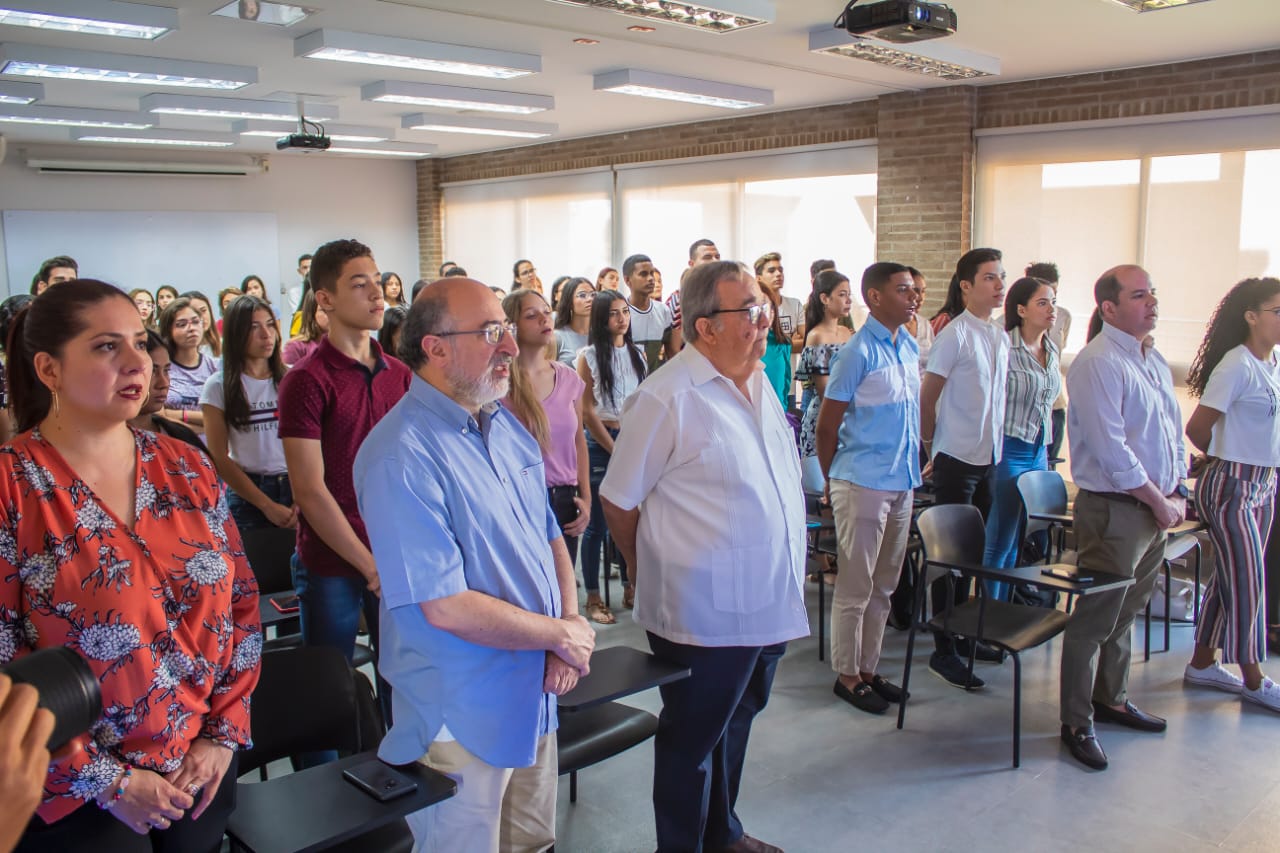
380, 780
1066, 575
286, 603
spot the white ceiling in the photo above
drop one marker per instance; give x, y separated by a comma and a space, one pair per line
1032, 38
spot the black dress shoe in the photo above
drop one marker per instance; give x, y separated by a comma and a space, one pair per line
1132, 716
1084, 747
862, 697
891, 692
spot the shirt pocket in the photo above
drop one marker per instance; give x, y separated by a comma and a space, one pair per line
742, 579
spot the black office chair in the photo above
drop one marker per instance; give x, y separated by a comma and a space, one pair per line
953, 538
1045, 493
309, 699
595, 734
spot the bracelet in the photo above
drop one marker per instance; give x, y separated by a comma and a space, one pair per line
119, 791
184, 416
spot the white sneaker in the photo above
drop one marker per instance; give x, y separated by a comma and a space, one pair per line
1267, 695
1216, 676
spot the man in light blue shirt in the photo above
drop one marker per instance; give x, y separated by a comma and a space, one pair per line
868, 439
474, 572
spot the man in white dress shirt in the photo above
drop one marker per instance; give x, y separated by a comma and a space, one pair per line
1127, 457
703, 498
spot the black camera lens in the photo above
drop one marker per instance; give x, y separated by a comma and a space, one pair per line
67, 687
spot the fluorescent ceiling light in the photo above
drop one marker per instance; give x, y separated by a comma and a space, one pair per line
74, 117
718, 16
1154, 5
336, 132
477, 125
19, 92
345, 46
389, 150
650, 84
29, 60
930, 58
212, 107
455, 97
91, 17
158, 136
280, 14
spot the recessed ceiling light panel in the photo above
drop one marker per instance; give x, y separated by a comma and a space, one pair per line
29, 60
345, 46
20, 92
212, 107
91, 17
157, 136
455, 97
931, 58
651, 84
478, 126
74, 117
415, 151
717, 16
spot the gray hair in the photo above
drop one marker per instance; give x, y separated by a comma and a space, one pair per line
429, 315
699, 294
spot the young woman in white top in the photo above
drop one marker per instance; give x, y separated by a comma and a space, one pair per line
1237, 424
610, 381
183, 331
919, 327
242, 418
573, 315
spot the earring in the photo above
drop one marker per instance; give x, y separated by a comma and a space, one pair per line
57, 409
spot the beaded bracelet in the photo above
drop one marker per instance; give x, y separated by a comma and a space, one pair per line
119, 791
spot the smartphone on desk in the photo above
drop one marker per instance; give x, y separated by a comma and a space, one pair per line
1066, 575
379, 780
286, 603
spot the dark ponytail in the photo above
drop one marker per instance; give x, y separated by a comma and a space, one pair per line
53, 318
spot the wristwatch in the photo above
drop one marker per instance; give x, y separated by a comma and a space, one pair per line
1182, 491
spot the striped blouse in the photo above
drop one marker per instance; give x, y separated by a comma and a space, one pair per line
1030, 391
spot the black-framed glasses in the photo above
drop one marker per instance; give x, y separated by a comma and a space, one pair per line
753, 312
492, 332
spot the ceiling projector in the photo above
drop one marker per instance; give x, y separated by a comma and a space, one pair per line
303, 142
898, 20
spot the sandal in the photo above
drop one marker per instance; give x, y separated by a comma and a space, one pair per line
599, 613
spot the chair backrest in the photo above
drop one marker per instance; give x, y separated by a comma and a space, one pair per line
269, 550
1042, 492
305, 701
952, 533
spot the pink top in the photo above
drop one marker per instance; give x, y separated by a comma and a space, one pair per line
296, 350
562, 457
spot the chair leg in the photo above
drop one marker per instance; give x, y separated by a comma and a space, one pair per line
1017, 710
917, 613
1146, 630
573, 786
822, 616
1168, 582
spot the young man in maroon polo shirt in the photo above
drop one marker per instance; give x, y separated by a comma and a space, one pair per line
328, 403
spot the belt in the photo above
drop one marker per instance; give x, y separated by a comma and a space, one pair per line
560, 490
1122, 497
259, 479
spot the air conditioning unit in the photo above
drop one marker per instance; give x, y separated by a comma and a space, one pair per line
125, 167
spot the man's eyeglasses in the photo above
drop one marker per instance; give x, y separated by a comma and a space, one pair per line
492, 332
753, 312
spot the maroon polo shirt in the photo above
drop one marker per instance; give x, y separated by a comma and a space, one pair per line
336, 401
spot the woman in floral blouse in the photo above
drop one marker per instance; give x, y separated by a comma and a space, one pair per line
117, 543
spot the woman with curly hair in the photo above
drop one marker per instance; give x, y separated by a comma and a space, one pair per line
1236, 376
117, 544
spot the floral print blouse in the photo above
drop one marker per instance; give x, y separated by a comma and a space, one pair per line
165, 614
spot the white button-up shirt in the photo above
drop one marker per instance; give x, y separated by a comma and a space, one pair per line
973, 356
720, 548
1123, 420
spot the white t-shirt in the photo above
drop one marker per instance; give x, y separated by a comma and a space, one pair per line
1247, 392
625, 381
790, 315
256, 448
973, 356
186, 383
648, 328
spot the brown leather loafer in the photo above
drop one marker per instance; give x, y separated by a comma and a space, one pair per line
1132, 716
1084, 747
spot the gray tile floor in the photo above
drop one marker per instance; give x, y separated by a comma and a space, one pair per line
823, 776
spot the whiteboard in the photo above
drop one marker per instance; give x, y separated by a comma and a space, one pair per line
187, 249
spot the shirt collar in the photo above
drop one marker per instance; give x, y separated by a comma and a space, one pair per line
1124, 340
439, 403
974, 320
701, 370
880, 330
340, 360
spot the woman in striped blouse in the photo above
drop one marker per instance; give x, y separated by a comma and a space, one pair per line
1034, 383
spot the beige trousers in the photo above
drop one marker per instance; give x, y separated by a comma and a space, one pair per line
871, 539
496, 809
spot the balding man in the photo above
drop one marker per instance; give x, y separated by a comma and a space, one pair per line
476, 639
1127, 458
703, 498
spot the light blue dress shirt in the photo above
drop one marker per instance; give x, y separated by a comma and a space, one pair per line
454, 504
879, 441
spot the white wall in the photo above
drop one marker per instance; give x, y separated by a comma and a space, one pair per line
314, 199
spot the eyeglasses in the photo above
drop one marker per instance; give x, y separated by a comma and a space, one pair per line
523, 273
492, 332
188, 324
753, 312
584, 295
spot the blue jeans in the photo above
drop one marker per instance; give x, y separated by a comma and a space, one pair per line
597, 530
1004, 523
329, 609
249, 517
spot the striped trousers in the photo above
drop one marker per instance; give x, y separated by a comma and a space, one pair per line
1238, 502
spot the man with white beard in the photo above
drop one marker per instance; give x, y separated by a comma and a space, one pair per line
476, 640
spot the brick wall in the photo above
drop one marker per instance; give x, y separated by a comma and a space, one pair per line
925, 142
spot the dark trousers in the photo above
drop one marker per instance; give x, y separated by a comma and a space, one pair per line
956, 482
597, 528
701, 744
566, 512
1272, 569
248, 516
89, 828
